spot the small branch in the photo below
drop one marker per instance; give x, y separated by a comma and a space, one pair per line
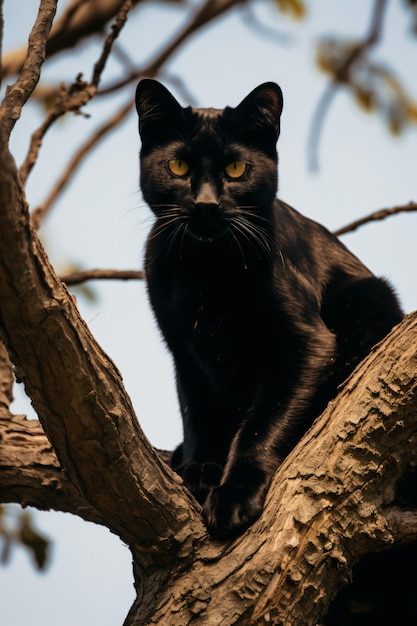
210, 10
377, 215
77, 95
317, 124
116, 27
78, 21
264, 31
39, 213
1, 40
341, 78
79, 277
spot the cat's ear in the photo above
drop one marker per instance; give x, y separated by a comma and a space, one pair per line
262, 109
157, 108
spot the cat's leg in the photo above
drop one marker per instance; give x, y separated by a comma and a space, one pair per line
200, 459
271, 428
198, 476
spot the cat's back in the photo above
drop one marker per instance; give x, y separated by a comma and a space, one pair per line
312, 249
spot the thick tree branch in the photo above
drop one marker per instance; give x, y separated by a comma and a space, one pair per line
6, 380
79, 397
31, 474
329, 504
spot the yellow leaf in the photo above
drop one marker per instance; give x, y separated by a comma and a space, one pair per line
294, 8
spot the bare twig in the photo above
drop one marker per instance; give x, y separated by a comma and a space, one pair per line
376, 216
1, 39
79, 277
252, 21
39, 213
210, 10
116, 27
18, 93
317, 124
341, 78
78, 21
77, 95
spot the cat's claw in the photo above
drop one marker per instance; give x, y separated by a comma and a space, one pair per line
228, 512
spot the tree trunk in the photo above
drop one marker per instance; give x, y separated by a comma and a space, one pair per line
330, 502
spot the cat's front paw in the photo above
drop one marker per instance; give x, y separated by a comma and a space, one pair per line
231, 508
200, 477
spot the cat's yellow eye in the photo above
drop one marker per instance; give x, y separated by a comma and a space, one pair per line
178, 167
236, 169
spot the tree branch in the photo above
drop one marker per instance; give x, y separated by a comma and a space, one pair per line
77, 95
79, 397
1, 40
79, 277
31, 474
381, 214
340, 78
6, 380
18, 93
40, 212
330, 503
210, 10
79, 20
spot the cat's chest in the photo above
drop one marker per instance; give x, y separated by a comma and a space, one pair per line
220, 324
214, 315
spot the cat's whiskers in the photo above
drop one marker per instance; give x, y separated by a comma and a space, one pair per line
181, 226
237, 242
159, 229
256, 235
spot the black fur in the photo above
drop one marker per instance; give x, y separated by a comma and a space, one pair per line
265, 311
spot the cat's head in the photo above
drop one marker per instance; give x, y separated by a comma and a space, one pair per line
207, 173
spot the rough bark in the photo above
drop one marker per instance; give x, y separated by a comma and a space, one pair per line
78, 393
331, 502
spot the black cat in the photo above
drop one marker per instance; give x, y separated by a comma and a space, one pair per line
265, 311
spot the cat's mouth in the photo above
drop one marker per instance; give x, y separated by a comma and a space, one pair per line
206, 230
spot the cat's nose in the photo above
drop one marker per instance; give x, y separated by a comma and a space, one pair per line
206, 196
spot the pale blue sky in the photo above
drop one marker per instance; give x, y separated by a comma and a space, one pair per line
102, 222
